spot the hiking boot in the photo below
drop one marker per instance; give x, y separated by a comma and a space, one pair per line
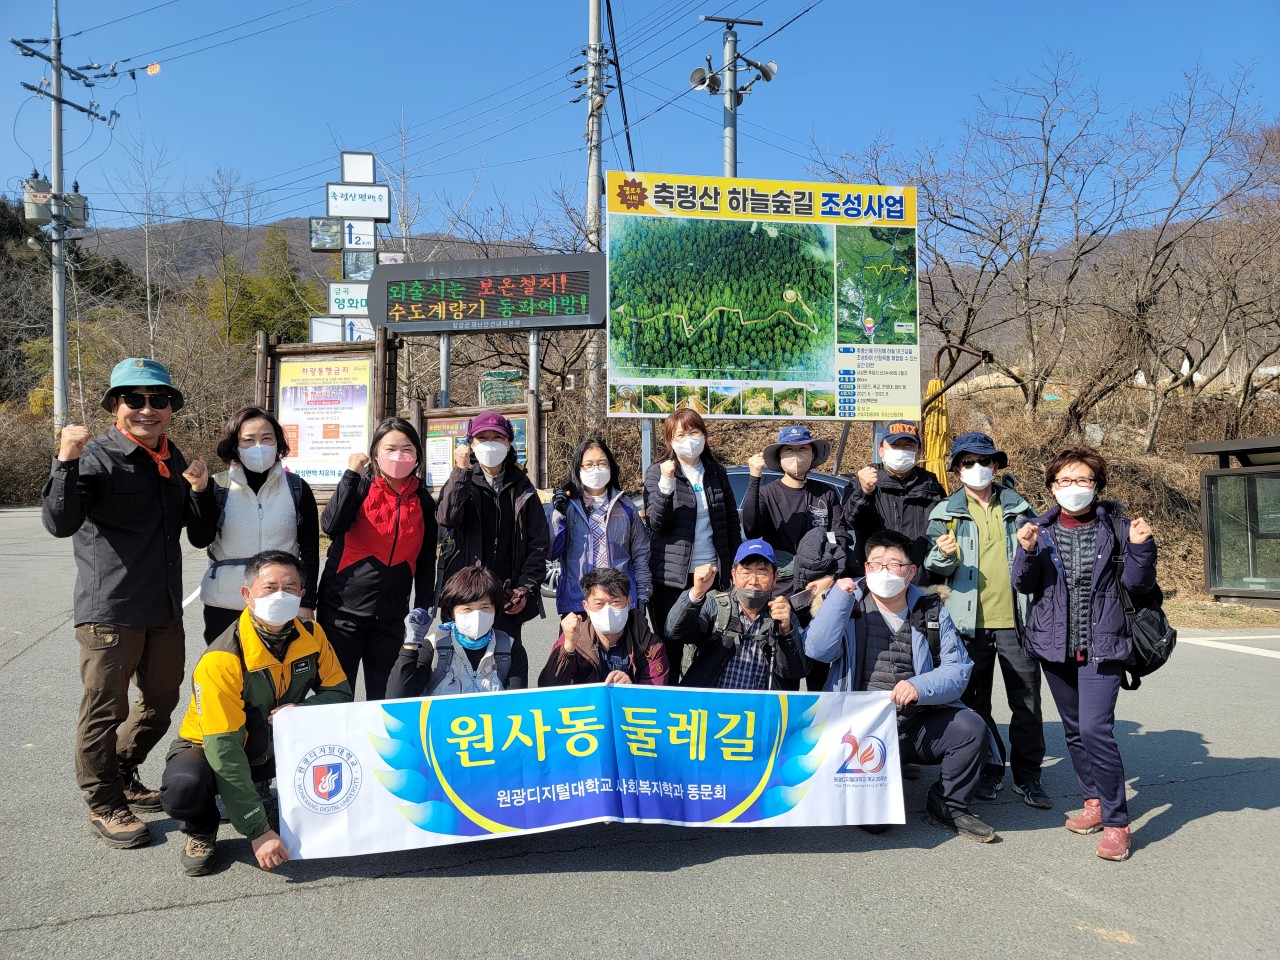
1033, 795
1088, 820
139, 796
1114, 844
199, 852
988, 787
119, 829
965, 824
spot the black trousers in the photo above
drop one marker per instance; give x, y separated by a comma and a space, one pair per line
660, 604
216, 621
952, 737
1021, 686
372, 641
188, 789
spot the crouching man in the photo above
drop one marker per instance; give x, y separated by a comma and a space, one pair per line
265, 662
747, 639
883, 633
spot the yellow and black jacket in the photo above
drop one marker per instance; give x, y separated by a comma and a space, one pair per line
234, 688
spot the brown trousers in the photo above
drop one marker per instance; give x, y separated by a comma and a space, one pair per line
111, 734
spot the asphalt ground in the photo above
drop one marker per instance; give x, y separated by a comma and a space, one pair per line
1200, 746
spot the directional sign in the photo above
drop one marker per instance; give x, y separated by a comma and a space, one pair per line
356, 167
359, 235
358, 328
349, 299
359, 201
326, 329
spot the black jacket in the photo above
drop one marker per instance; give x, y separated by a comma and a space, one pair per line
672, 520
897, 503
127, 522
370, 587
505, 530
695, 623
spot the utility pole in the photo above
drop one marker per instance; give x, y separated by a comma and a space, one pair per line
595, 184
726, 79
59, 236
61, 213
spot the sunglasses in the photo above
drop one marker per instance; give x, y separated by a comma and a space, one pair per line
136, 401
980, 461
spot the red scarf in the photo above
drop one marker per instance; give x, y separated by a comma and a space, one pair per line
384, 519
160, 454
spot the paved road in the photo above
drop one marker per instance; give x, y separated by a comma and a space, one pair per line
1200, 744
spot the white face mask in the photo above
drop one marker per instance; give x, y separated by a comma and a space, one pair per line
490, 453
885, 583
690, 448
608, 619
276, 609
899, 461
1073, 498
258, 458
976, 477
597, 478
474, 623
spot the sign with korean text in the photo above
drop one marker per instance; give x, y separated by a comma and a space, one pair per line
323, 404
512, 293
762, 298
403, 774
360, 201
442, 435
349, 299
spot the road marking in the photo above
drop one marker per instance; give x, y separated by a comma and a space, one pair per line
1233, 647
194, 593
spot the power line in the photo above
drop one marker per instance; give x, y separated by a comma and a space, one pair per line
617, 72
127, 16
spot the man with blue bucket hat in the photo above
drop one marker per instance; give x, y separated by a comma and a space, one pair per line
974, 537
125, 496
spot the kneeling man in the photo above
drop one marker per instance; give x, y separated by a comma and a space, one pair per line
266, 661
884, 633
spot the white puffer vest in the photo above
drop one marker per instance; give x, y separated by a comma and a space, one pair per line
252, 522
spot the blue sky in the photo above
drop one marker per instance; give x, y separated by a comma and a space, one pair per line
488, 90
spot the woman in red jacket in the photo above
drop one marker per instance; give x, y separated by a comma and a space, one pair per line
382, 522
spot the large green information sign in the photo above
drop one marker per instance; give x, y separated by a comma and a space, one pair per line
762, 298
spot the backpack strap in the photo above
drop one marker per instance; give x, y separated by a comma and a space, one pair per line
502, 644
724, 616
924, 616
442, 643
294, 483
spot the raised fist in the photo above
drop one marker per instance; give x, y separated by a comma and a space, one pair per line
462, 456
570, 626
1029, 537
1139, 530
197, 474
668, 468
756, 464
704, 578
868, 477
71, 442
357, 462
947, 544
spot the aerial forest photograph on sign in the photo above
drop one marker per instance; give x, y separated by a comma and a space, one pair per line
703, 299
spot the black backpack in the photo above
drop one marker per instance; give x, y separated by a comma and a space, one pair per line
443, 644
1152, 636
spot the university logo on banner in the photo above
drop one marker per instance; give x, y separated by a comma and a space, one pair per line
327, 779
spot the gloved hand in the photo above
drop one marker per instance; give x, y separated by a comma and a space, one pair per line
560, 502
416, 625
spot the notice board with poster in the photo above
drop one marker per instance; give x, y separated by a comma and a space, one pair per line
555, 291
762, 298
324, 405
444, 433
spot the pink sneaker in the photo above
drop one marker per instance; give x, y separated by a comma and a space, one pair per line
1114, 844
1088, 820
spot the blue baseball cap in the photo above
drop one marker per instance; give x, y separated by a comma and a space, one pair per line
141, 372
978, 444
796, 435
755, 548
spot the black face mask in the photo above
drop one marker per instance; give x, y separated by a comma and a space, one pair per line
754, 598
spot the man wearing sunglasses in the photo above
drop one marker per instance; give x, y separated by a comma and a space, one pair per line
974, 537
125, 497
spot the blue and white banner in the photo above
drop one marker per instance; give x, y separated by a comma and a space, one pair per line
400, 774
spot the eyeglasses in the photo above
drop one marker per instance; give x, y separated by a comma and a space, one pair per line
979, 461
756, 576
136, 401
1063, 482
893, 566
